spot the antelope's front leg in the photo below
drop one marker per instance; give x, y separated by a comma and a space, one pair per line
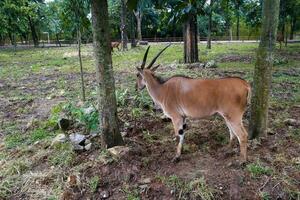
178, 127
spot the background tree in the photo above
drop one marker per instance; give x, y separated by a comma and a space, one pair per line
187, 11
263, 69
238, 6
106, 85
209, 10
123, 26
141, 8
75, 12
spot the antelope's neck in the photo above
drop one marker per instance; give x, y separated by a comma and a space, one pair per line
154, 88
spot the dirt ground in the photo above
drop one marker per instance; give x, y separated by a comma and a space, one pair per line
208, 165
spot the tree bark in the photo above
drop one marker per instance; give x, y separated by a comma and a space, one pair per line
209, 28
57, 39
263, 69
238, 23
293, 24
138, 15
123, 26
132, 31
109, 128
190, 39
33, 32
80, 63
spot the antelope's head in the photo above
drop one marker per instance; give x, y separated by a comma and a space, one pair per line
144, 72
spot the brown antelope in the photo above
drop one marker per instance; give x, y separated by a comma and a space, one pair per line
115, 45
181, 97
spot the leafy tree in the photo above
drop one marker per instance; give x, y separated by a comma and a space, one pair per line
106, 85
238, 8
53, 23
75, 12
263, 69
141, 7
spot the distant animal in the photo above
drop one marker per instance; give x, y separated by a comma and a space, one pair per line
181, 97
115, 45
280, 39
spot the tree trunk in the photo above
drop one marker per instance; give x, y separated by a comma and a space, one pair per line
190, 40
293, 24
123, 26
57, 39
238, 23
138, 15
80, 62
263, 69
106, 84
209, 28
33, 32
132, 31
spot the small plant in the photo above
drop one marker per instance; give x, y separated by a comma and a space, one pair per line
94, 183
143, 100
257, 169
131, 194
122, 97
37, 135
201, 189
87, 115
14, 140
264, 196
63, 154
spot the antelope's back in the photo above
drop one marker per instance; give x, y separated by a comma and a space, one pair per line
204, 97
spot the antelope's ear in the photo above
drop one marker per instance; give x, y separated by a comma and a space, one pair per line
139, 69
154, 68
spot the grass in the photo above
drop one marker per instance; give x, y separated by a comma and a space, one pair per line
35, 74
196, 188
257, 169
63, 155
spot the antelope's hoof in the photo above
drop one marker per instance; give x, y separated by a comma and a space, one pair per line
176, 159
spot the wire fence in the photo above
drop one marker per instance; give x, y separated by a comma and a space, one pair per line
66, 43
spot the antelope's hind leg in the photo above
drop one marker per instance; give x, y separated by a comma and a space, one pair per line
179, 132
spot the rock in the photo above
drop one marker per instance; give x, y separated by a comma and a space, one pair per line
143, 42
211, 64
89, 110
59, 138
124, 133
88, 146
196, 65
64, 124
29, 124
145, 181
104, 194
118, 151
77, 138
73, 180
292, 122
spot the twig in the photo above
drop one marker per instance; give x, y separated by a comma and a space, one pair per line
276, 185
262, 187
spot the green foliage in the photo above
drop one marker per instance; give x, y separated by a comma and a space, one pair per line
257, 169
265, 196
94, 183
87, 115
122, 97
131, 194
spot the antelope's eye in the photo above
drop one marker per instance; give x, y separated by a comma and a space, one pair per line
137, 75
